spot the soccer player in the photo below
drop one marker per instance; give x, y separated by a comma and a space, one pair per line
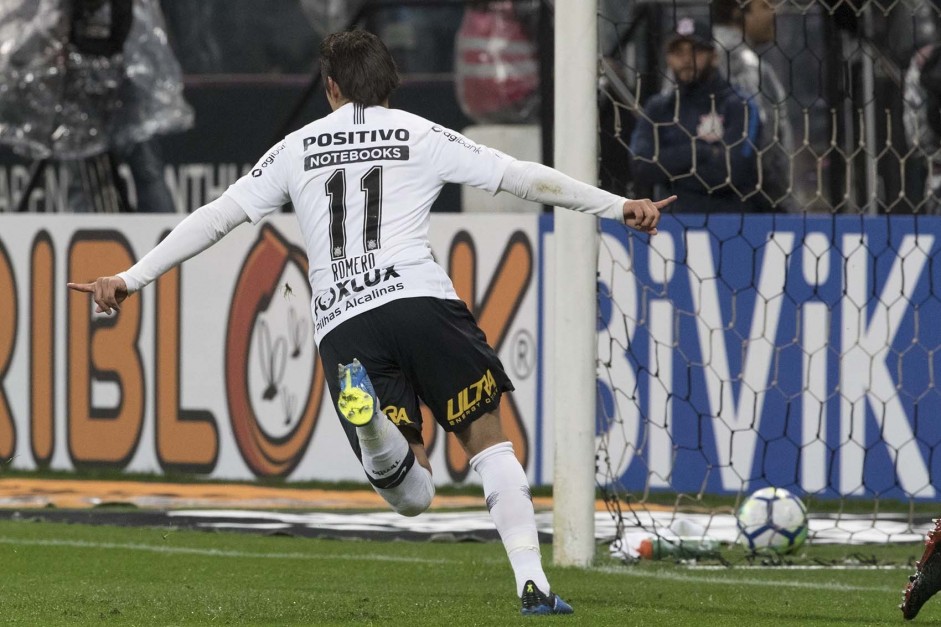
387, 319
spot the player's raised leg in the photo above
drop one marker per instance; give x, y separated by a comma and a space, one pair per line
926, 582
510, 502
387, 456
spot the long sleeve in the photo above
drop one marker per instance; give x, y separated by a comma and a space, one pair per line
536, 182
200, 230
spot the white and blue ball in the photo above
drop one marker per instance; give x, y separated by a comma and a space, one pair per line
772, 519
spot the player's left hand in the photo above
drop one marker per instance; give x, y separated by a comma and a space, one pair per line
108, 291
644, 214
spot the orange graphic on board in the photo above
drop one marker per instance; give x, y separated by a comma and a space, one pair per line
7, 342
267, 453
187, 440
42, 350
104, 349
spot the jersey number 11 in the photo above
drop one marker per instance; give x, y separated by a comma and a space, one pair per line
371, 185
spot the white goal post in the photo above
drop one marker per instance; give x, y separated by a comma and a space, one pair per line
575, 298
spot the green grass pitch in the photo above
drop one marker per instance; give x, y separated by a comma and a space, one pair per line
55, 574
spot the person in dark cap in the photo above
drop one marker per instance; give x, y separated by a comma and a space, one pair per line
690, 42
698, 140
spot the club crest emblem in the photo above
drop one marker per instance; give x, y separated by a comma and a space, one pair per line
711, 127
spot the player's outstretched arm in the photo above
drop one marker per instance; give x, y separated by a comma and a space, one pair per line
539, 183
200, 230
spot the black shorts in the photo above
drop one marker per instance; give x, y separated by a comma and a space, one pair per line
419, 348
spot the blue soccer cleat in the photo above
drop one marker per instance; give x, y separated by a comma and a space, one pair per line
357, 402
535, 603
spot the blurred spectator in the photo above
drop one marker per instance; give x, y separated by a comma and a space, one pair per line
497, 63
922, 117
59, 72
283, 36
150, 104
191, 31
738, 31
421, 39
86, 81
243, 36
330, 16
698, 140
618, 88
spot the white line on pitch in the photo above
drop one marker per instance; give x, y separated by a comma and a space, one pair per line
781, 583
182, 550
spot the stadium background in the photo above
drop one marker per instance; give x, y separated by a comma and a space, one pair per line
833, 302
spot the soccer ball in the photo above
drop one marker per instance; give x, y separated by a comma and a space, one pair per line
772, 519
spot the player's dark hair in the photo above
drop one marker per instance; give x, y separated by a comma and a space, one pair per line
361, 66
730, 12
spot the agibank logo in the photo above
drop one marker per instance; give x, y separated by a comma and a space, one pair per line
273, 384
268, 160
455, 137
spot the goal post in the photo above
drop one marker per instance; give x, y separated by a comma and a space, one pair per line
574, 295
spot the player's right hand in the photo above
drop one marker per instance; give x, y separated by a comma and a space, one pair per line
108, 291
644, 214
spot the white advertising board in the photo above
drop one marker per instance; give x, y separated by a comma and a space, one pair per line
213, 368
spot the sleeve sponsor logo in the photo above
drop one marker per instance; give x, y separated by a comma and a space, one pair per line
268, 160
355, 155
460, 139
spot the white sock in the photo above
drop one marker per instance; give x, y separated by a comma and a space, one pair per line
390, 466
511, 508
383, 446
414, 495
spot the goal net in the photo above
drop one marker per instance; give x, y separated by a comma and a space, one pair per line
784, 327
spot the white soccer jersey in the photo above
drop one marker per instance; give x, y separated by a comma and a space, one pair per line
362, 181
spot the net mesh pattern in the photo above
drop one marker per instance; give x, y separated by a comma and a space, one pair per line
782, 329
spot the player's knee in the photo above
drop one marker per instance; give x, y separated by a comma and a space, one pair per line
412, 508
417, 502
417, 496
